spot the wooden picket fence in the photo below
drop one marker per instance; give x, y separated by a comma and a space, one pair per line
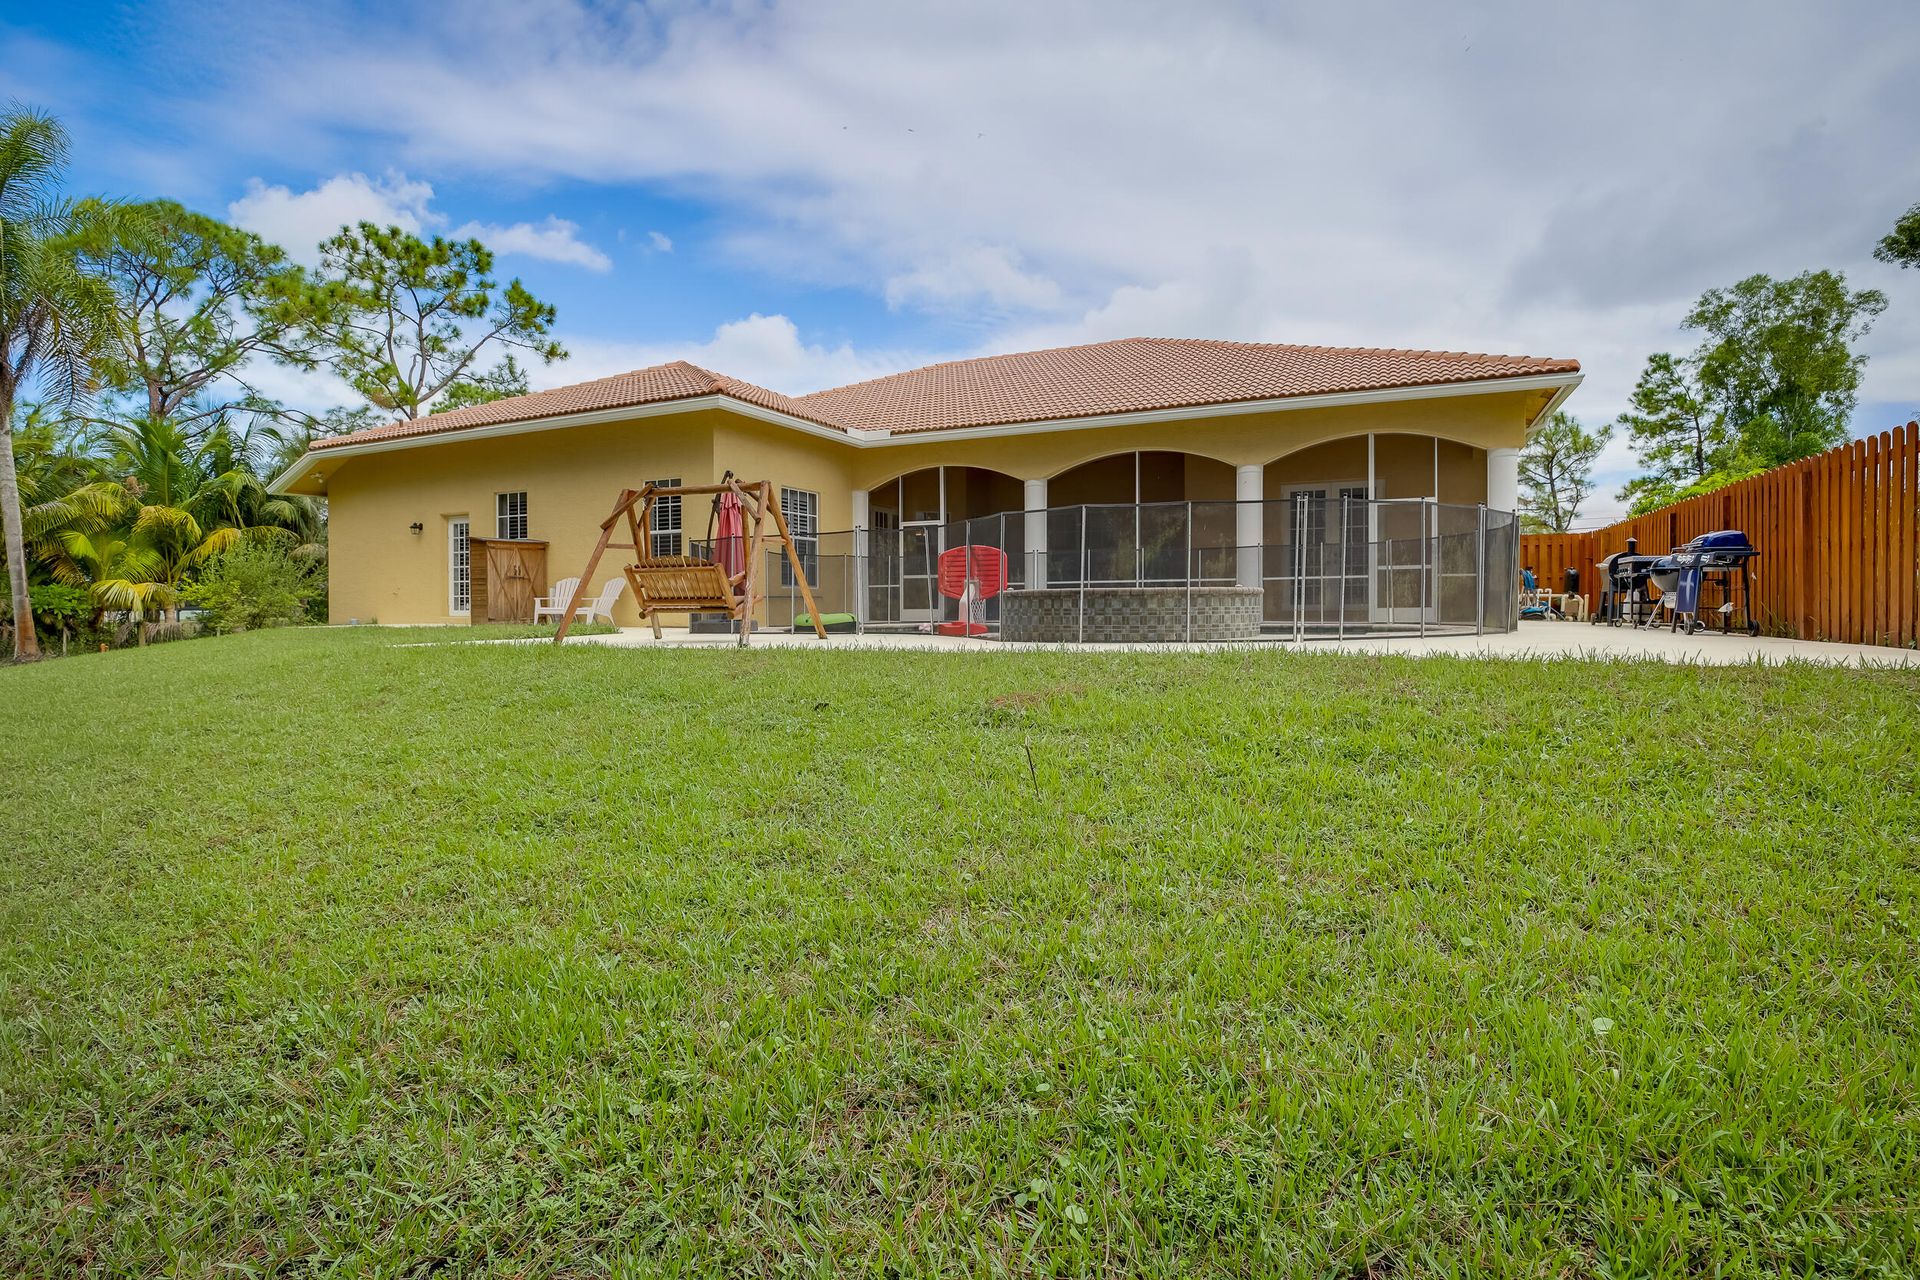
1836, 534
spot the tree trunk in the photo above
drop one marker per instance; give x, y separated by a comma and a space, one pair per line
26, 645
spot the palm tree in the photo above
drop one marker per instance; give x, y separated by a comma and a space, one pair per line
249, 454
194, 495
61, 486
185, 510
146, 503
54, 317
49, 457
115, 569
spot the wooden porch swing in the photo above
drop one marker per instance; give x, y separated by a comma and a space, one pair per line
688, 584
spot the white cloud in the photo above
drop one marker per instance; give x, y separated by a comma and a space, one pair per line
765, 350
555, 240
299, 221
313, 390
1510, 178
660, 242
985, 273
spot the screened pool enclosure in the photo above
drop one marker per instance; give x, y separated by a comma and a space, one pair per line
1326, 563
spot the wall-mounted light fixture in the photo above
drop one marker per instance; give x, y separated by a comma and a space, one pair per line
416, 526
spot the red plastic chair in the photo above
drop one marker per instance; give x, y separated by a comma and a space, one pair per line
971, 575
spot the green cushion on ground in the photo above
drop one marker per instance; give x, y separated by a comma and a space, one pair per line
826, 620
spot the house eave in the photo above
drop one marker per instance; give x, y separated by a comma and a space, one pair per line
1562, 384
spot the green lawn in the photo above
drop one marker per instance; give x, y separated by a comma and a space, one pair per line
319, 952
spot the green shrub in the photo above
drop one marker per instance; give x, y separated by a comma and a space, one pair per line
316, 563
58, 607
252, 587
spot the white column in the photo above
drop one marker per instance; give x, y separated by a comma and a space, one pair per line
1503, 479
1249, 523
861, 550
1036, 533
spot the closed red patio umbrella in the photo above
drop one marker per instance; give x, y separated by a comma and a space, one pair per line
729, 538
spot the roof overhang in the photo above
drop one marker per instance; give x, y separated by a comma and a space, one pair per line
319, 461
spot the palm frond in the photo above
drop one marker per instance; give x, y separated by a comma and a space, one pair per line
171, 524
92, 506
135, 595
217, 543
33, 155
65, 317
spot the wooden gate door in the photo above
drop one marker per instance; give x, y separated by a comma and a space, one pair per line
507, 577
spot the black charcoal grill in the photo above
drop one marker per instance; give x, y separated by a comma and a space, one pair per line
1624, 578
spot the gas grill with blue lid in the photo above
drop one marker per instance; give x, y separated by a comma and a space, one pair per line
1711, 559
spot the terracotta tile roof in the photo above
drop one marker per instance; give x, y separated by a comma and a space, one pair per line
1133, 374
676, 381
1122, 376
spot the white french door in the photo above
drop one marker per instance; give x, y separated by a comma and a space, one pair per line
1327, 550
459, 568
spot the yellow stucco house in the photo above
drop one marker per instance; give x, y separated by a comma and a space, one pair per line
1293, 465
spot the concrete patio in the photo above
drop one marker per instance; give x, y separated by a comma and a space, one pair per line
1532, 640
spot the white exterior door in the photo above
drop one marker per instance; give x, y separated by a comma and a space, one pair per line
459, 568
1327, 551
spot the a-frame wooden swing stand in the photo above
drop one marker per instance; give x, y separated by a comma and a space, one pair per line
688, 584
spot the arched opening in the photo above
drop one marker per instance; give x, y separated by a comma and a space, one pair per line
1148, 517
1363, 532
914, 517
942, 495
1146, 475
1382, 528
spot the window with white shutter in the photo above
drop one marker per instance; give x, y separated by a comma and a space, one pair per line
663, 526
802, 509
512, 518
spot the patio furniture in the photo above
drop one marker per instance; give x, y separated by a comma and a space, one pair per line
1534, 605
689, 584
970, 576
602, 606
681, 584
1541, 603
555, 605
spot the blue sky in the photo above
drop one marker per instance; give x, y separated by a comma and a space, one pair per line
807, 194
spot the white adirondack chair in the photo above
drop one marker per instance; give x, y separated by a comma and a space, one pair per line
603, 606
555, 605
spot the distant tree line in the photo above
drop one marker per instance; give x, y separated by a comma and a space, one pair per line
136, 442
